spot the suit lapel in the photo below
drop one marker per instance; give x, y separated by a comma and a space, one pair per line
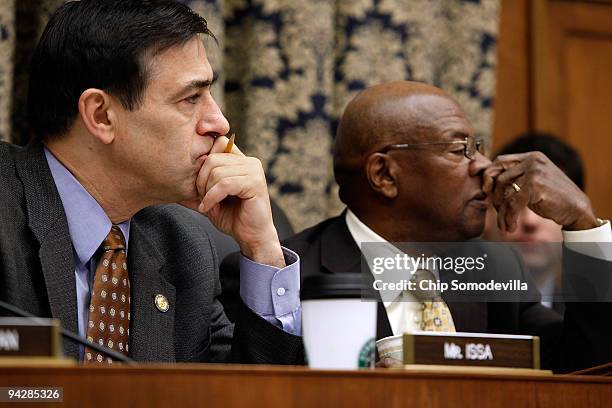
151, 334
340, 253
47, 221
152, 331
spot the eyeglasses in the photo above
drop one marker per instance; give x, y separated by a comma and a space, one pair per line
471, 146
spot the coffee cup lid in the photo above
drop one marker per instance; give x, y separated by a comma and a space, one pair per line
335, 286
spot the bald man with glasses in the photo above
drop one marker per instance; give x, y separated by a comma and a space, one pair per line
410, 169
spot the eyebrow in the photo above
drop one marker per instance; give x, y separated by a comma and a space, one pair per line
195, 84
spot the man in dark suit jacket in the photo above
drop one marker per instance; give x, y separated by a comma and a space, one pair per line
125, 123
409, 171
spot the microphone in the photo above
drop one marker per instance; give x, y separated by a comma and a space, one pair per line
69, 335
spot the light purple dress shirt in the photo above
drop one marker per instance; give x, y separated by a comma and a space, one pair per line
271, 292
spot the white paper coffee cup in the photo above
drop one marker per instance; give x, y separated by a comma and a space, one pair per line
338, 326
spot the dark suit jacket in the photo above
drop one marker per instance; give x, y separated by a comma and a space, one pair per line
169, 253
581, 342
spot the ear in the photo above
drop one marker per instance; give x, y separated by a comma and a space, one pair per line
381, 172
95, 109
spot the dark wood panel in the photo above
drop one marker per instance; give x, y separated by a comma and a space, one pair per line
588, 86
572, 88
225, 386
555, 74
512, 98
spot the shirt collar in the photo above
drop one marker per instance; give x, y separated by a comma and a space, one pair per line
359, 231
88, 224
362, 233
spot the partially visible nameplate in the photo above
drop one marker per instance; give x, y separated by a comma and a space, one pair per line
472, 349
460, 349
23, 337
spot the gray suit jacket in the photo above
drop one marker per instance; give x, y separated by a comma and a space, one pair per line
170, 254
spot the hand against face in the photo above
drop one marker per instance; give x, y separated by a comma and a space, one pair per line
233, 194
544, 188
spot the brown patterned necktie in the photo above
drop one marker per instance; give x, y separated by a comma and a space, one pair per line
109, 309
435, 314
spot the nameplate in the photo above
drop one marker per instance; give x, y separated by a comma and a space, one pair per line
23, 337
472, 349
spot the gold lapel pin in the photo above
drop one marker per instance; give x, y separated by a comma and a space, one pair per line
162, 303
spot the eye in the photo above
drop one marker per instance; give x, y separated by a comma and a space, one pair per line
193, 99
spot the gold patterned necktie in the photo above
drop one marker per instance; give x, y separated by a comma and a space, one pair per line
109, 309
435, 314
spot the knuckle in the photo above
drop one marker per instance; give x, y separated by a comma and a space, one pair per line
502, 179
212, 160
583, 204
224, 183
536, 182
535, 173
539, 157
214, 173
500, 158
256, 162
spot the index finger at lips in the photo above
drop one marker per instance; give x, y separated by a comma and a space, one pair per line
511, 159
221, 143
488, 178
212, 161
499, 166
504, 180
507, 212
515, 204
509, 176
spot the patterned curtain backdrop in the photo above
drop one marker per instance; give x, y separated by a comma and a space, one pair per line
288, 68
21, 24
7, 46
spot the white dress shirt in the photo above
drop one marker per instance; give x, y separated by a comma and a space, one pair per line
403, 310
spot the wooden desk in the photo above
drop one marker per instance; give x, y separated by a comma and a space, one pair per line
241, 386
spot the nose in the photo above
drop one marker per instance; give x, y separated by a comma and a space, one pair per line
212, 121
479, 164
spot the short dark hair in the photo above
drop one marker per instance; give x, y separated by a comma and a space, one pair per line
560, 153
105, 44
